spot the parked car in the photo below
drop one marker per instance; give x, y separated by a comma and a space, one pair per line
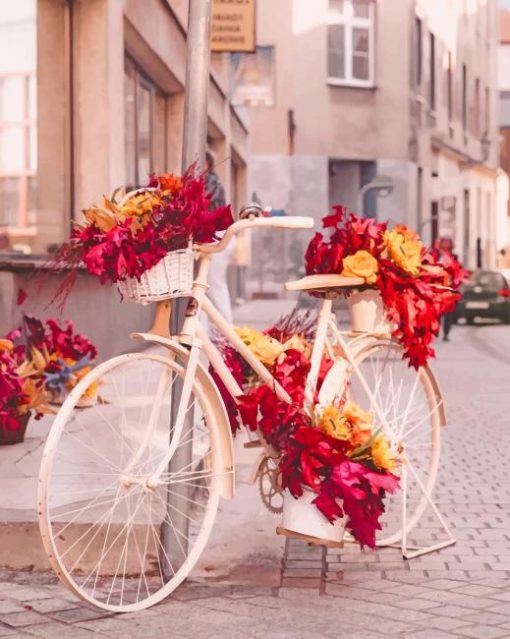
486, 294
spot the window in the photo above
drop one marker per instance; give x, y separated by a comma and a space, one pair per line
464, 97
419, 49
18, 114
145, 126
449, 87
432, 73
351, 43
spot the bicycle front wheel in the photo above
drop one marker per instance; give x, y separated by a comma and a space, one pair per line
116, 537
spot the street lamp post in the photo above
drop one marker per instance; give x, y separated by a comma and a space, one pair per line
198, 53
382, 184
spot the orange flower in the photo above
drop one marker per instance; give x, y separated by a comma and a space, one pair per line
361, 422
404, 248
170, 183
6, 345
361, 264
101, 218
382, 455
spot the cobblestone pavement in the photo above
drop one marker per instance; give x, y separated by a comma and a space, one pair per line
461, 591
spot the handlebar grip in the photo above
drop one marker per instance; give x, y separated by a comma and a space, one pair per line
293, 222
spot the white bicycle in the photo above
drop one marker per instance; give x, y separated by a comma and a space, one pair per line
129, 487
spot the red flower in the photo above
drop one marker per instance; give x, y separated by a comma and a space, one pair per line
413, 304
12, 398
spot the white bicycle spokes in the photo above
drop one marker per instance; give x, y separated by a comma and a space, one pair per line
117, 539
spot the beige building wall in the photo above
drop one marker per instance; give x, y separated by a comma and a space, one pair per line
345, 135
83, 50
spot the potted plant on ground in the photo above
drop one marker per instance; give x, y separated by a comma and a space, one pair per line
19, 396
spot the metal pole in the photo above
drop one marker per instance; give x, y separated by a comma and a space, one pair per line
194, 141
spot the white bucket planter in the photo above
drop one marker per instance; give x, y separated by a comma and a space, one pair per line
303, 519
366, 309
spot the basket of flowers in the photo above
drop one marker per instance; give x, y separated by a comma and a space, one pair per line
142, 242
336, 467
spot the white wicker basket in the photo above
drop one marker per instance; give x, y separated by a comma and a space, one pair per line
171, 277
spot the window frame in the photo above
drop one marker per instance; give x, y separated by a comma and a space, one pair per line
350, 22
464, 91
418, 67
142, 81
24, 174
449, 87
432, 72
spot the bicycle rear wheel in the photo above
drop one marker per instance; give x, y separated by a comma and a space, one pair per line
114, 538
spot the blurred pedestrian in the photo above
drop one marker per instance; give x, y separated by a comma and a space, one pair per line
5, 240
218, 288
443, 248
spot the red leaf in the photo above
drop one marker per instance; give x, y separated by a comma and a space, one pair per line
22, 296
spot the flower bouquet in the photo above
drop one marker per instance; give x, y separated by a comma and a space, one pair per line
53, 359
404, 286
336, 468
142, 241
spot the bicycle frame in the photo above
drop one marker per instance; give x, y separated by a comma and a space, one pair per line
194, 336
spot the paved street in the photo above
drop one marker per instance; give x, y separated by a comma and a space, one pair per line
250, 583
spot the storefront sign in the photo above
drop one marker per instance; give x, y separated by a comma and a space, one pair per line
233, 26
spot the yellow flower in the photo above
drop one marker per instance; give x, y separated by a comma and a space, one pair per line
382, 455
334, 424
361, 423
356, 414
361, 264
298, 343
139, 204
265, 348
92, 391
404, 248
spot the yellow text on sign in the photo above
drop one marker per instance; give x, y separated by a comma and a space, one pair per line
233, 25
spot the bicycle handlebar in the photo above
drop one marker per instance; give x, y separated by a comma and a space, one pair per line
294, 222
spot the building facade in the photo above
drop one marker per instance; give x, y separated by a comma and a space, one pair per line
91, 98
402, 93
504, 129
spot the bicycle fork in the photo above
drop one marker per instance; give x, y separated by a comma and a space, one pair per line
180, 418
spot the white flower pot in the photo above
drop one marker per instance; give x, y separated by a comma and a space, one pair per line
303, 517
366, 309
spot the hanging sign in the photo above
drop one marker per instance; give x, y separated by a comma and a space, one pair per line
233, 26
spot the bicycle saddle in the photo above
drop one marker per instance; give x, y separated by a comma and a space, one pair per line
324, 283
